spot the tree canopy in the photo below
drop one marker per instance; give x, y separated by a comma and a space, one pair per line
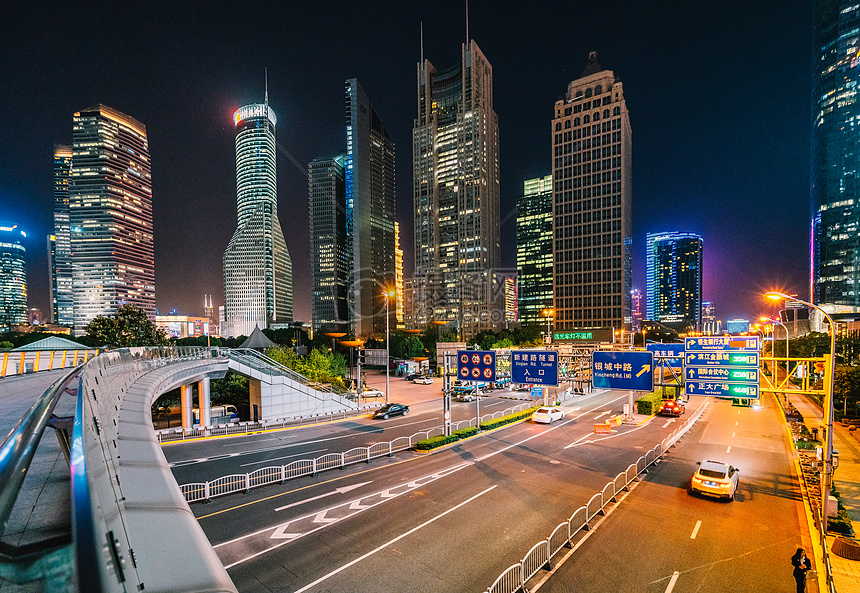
129, 327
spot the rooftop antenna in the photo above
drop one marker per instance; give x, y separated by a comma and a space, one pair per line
266, 77
422, 44
467, 22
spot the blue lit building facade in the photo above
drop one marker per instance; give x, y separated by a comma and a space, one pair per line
673, 279
13, 276
59, 243
534, 251
835, 190
258, 271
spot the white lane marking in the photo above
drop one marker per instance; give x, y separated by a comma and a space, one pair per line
733, 435
672, 582
695, 530
729, 449
736, 423
342, 490
602, 415
393, 541
284, 457
668, 422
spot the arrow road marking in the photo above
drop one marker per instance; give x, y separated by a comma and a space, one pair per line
602, 415
342, 490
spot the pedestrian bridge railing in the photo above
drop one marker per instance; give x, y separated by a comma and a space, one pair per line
205, 491
540, 556
24, 362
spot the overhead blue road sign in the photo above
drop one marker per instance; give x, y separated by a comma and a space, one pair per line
722, 343
476, 365
714, 373
623, 370
721, 389
722, 358
535, 367
673, 350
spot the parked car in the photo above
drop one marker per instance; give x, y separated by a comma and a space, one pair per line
388, 410
367, 393
671, 407
547, 415
423, 381
412, 376
466, 396
715, 478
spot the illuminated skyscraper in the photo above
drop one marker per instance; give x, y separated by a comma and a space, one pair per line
592, 198
369, 181
673, 288
59, 243
110, 216
398, 275
835, 194
456, 196
330, 249
534, 251
258, 271
13, 276
637, 311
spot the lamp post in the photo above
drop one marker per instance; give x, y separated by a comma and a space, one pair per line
787, 363
548, 313
828, 407
388, 294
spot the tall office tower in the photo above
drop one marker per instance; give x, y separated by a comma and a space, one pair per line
258, 271
673, 279
835, 194
455, 152
637, 311
59, 243
592, 198
13, 276
710, 324
331, 252
534, 251
511, 312
398, 276
110, 216
369, 179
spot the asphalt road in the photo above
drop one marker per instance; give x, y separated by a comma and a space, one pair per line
660, 538
449, 521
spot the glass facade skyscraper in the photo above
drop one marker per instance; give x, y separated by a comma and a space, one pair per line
110, 216
258, 271
59, 243
835, 189
330, 251
369, 187
673, 279
592, 197
534, 251
455, 158
13, 276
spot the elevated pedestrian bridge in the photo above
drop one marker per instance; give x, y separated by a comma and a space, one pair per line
130, 527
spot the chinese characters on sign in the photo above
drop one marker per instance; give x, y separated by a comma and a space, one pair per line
536, 367
723, 366
623, 370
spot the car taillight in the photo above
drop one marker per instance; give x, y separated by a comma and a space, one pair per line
697, 479
725, 484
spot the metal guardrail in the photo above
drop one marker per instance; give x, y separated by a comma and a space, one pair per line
261, 362
515, 577
24, 362
204, 491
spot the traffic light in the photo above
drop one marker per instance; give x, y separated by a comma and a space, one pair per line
360, 356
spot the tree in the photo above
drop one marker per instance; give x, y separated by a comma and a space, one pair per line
129, 327
846, 389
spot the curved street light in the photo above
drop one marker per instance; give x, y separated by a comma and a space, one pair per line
787, 362
828, 407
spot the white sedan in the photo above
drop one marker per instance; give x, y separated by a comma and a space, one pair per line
547, 415
715, 478
423, 381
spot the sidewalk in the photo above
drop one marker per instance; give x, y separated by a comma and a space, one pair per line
846, 480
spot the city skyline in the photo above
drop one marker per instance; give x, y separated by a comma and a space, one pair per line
695, 154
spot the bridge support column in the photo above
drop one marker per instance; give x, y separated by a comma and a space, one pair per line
187, 401
203, 401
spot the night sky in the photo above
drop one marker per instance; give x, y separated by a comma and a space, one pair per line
718, 95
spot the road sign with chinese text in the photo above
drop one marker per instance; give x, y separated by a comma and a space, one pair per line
721, 389
534, 367
722, 358
713, 373
476, 365
735, 343
722, 366
623, 370
673, 350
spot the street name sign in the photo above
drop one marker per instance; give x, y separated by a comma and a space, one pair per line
534, 367
476, 365
669, 350
722, 366
722, 358
721, 389
735, 343
713, 373
623, 370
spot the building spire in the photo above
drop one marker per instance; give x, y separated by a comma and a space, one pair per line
467, 23
422, 44
266, 78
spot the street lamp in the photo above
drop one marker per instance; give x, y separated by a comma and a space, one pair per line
828, 407
787, 363
388, 294
548, 313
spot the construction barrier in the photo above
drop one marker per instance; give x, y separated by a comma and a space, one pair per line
602, 429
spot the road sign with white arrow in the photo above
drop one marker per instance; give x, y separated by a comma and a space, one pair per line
623, 370
723, 366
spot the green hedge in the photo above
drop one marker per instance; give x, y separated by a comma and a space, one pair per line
466, 432
463, 433
434, 442
650, 404
496, 422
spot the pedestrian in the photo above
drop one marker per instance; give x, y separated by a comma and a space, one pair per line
801, 566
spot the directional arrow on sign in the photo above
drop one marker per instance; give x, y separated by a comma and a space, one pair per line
645, 369
342, 490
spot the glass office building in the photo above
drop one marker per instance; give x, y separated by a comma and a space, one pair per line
673, 279
258, 271
59, 243
13, 276
455, 152
534, 251
592, 197
110, 216
835, 193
